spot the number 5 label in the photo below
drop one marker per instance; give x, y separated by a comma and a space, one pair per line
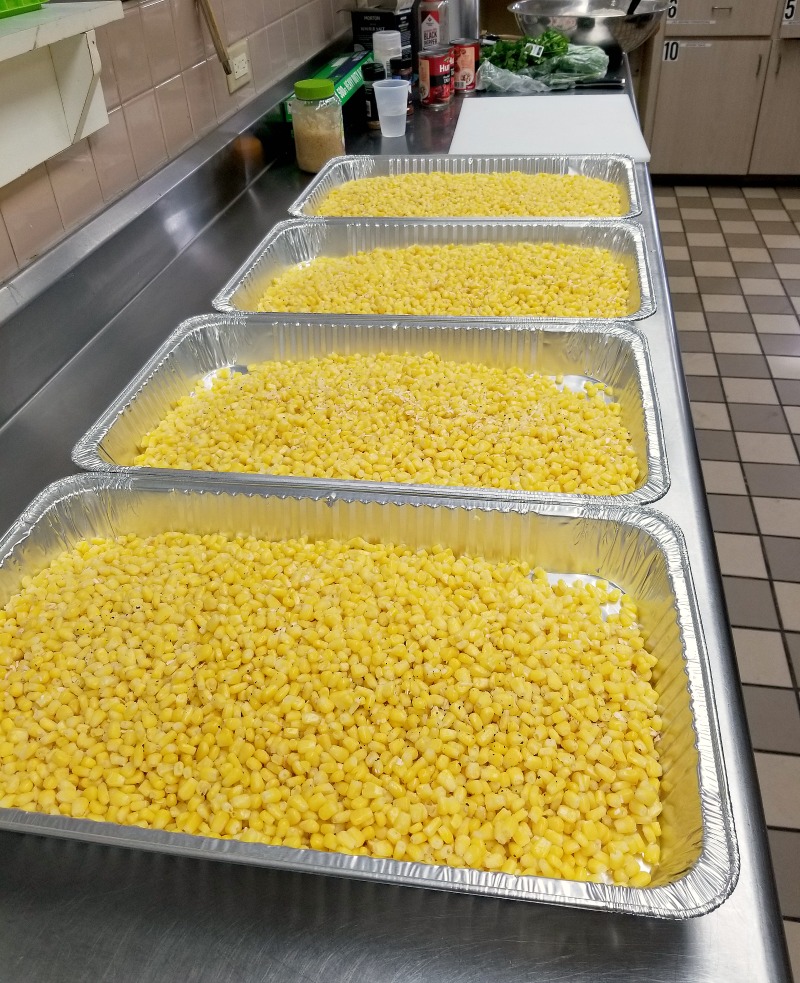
789, 10
671, 50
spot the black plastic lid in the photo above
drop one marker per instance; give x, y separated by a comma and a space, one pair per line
372, 71
402, 64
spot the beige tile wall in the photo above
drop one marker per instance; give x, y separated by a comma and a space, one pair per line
164, 88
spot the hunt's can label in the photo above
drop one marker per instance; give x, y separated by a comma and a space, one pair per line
436, 77
466, 55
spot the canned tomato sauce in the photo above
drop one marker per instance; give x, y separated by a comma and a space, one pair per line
466, 55
436, 77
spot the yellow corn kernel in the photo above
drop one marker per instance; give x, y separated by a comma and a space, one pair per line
477, 768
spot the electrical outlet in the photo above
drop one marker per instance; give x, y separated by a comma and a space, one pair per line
239, 57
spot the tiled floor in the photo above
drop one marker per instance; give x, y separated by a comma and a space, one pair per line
733, 260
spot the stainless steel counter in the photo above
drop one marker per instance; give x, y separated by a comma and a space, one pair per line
72, 912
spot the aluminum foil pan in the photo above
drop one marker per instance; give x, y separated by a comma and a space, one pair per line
639, 550
617, 170
614, 354
298, 241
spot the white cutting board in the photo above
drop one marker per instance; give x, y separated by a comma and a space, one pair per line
559, 124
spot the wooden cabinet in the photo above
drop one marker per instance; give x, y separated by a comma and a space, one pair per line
707, 105
720, 18
776, 149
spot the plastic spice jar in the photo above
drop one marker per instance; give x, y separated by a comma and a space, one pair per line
317, 123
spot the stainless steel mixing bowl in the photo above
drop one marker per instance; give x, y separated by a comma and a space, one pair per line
600, 22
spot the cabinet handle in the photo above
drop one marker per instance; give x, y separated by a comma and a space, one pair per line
780, 59
729, 9
758, 69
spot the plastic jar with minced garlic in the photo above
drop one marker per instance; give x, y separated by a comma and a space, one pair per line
317, 123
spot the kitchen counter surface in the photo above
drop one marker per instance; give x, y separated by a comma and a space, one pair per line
72, 912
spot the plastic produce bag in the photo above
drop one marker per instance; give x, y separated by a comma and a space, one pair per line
490, 78
580, 63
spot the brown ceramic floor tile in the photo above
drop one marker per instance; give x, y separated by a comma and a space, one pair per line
783, 557
679, 267
793, 646
718, 285
730, 214
785, 255
774, 719
713, 254
704, 389
693, 191
792, 287
759, 419
769, 305
780, 344
743, 366
668, 212
788, 391
732, 513
762, 202
673, 238
773, 480
765, 270
700, 225
690, 321
773, 228
750, 603
716, 445
724, 191
725, 322
686, 302
743, 240
785, 850
694, 341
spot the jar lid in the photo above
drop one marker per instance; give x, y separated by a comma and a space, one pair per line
371, 71
313, 89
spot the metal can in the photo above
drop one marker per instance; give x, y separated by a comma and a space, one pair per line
436, 77
466, 55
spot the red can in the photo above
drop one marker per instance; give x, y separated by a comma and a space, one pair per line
466, 55
436, 77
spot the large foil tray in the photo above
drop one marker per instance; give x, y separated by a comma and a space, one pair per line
638, 550
614, 354
298, 241
618, 170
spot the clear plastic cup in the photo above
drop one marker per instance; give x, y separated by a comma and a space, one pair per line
392, 98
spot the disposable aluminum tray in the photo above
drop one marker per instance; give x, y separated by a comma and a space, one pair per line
618, 170
614, 354
298, 241
638, 550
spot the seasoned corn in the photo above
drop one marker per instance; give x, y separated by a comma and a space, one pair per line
350, 697
464, 195
406, 418
485, 280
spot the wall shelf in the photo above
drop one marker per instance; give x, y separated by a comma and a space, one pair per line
50, 80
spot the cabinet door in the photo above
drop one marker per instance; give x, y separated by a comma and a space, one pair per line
707, 105
720, 18
777, 144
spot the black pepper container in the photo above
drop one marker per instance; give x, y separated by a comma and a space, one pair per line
372, 72
403, 68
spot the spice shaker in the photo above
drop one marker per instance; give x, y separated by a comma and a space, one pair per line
402, 68
317, 123
371, 72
